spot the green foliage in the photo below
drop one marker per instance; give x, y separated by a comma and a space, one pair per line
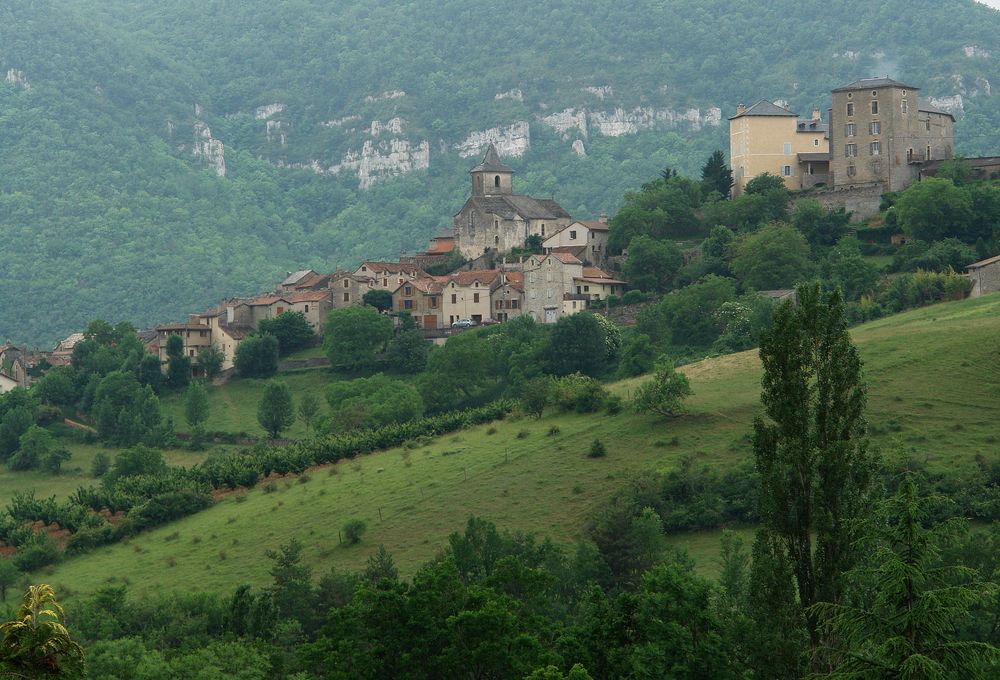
638, 356
257, 356
151, 372
577, 392
817, 475
934, 209
906, 627
276, 411
196, 406
716, 175
290, 329
353, 531
845, 268
535, 396
662, 209
664, 393
687, 316
125, 412
939, 256
372, 402
56, 386
354, 336
577, 344
378, 298
822, 228
100, 465
14, 423
764, 183
652, 265
9, 575
308, 409
210, 360
741, 322
774, 257
597, 449
36, 641
134, 462
407, 351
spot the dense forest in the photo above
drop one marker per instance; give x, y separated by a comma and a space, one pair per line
106, 211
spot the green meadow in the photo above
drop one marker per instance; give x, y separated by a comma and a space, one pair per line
934, 393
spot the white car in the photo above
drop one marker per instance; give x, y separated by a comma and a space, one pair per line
463, 323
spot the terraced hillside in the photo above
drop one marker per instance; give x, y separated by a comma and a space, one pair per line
934, 379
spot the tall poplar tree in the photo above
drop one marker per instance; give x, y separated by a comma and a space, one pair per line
810, 449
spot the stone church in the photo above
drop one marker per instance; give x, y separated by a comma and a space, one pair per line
495, 218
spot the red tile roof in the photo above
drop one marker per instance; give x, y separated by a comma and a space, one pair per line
392, 268
267, 300
441, 244
565, 258
483, 276
515, 280
309, 296
596, 226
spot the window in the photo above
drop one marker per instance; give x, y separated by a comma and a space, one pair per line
904, 106
875, 148
407, 304
851, 171
874, 108
815, 142
385, 282
496, 181
496, 224
578, 290
190, 352
363, 268
850, 130
787, 148
909, 155
586, 289
281, 310
875, 128
786, 171
543, 229
927, 125
513, 304
434, 302
850, 108
572, 235
850, 150
454, 298
475, 297
347, 297
877, 167
347, 284
307, 309
928, 156
407, 290
498, 304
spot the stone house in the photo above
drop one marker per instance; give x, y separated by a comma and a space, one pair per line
422, 298
881, 133
547, 278
985, 276
295, 280
495, 218
389, 275
597, 285
769, 138
592, 236
7, 383
193, 332
226, 333
314, 305
467, 296
347, 288
251, 312
507, 296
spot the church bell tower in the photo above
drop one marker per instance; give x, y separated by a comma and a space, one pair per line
491, 177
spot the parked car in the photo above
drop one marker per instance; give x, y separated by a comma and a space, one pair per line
463, 323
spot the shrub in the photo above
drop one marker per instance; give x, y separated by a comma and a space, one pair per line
40, 552
597, 450
523, 434
554, 430
614, 405
353, 531
578, 393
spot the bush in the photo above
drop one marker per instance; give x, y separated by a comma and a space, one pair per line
597, 450
578, 393
614, 405
353, 531
40, 552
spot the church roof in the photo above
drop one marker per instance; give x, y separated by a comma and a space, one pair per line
874, 84
491, 162
509, 206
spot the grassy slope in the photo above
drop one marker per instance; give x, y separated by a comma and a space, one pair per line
934, 388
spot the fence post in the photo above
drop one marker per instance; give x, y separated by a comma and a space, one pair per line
380, 514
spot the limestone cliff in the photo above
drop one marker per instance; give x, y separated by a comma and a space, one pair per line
511, 141
208, 150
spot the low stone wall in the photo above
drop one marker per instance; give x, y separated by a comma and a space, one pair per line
861, 200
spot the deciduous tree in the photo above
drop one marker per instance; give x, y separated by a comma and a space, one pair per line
354, 337
276, 411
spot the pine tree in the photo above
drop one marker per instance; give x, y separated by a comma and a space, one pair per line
910, 604
716, 175
811, 452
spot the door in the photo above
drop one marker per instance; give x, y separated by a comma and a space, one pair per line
550, 315
430, 321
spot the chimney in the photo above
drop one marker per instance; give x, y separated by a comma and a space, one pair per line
816, 114
193, 318
741, 109
603, 219
230, 314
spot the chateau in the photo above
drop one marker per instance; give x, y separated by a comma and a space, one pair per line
495, 218
878, 138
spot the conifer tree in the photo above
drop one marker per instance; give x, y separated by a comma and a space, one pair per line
810, 450
716, 175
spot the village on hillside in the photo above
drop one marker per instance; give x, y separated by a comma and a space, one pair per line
509, 255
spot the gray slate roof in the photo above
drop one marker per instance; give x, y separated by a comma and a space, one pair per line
491, 162
510, 206
874, 84
811, 126
764, 108
926, 107
814, 157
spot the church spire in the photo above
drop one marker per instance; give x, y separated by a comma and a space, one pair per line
491, 176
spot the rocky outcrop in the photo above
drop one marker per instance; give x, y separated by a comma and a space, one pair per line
514, 94
268, 110
953, 104
390, 94
599, 92
17, 78
340, 122
621, 122
394, 126
208, 150
375, 161
847, 54
276, 130
579, 149
511, 141
976, 52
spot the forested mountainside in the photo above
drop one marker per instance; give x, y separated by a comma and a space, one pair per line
156, 156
